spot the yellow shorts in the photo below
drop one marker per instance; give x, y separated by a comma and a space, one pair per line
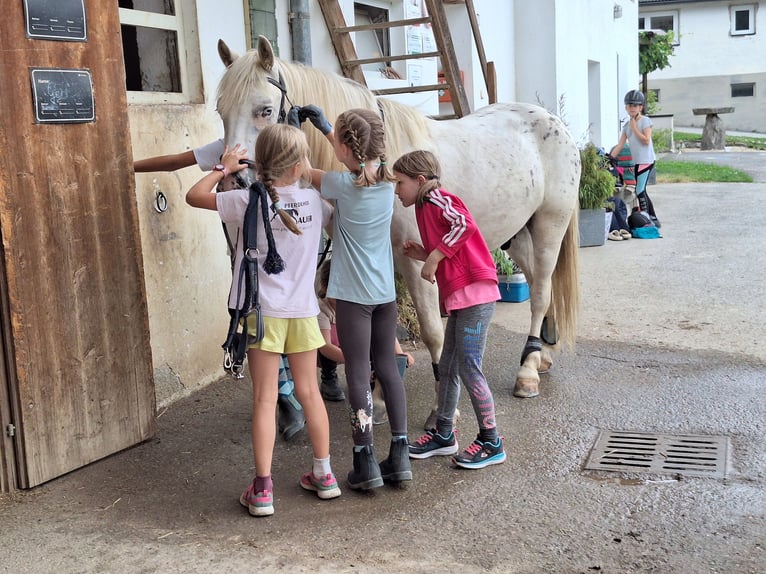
290, 335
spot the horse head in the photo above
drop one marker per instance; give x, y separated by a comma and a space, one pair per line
250, 94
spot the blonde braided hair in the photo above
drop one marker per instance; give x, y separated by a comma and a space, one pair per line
278, 148
364, 133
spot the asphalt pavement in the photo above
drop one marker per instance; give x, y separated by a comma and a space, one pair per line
670, 340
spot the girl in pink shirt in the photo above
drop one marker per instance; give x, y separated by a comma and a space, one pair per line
455, 256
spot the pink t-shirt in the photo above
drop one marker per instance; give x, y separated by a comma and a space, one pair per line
472, 294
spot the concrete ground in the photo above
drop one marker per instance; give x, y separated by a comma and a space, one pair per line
670, 340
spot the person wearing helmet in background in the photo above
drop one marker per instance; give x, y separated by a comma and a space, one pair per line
638, 132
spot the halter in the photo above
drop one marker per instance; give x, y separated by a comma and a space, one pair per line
280, 85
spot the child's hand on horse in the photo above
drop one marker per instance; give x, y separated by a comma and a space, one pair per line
414, 250
231, 158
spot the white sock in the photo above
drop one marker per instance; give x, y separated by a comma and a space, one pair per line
322, 467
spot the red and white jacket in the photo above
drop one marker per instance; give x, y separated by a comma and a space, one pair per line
446, 224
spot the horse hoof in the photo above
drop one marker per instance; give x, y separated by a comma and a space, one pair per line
544, 367
430, 421
526, 389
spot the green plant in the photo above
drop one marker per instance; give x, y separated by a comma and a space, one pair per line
654, 51
596, 183
407, 318
504, 265
661, 140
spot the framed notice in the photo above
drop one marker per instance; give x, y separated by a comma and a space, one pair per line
62, 96
56, 20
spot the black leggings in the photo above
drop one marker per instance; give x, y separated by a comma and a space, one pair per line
369, 332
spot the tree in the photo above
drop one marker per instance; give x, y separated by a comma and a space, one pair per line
654, 51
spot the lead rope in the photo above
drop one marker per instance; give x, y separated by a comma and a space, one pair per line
236, 343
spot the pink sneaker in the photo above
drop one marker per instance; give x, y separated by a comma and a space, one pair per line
257, 503
326, 487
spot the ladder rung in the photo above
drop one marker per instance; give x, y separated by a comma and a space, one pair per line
352, 63
410, 89
384, 25
445, 117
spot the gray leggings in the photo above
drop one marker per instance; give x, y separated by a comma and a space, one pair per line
465, 339
368, 332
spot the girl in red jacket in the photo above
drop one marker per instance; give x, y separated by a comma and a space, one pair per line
455, 256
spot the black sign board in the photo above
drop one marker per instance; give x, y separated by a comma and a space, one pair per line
62, 96
56, 19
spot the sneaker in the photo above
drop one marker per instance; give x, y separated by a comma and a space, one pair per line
325, 487
480, 454
434, 444
257, 503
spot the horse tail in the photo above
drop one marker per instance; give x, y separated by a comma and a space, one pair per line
565, 291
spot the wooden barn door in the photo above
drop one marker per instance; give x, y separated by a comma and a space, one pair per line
76, 382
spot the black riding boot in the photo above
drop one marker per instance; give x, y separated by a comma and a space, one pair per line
396, 467
366, 473
329, 385
290, 419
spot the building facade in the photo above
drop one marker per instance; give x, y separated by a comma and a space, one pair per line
717, 60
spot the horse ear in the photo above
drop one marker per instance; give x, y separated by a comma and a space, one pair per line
226, 55
265, 53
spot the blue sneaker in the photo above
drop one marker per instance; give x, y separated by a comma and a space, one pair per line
480, 454
434, 444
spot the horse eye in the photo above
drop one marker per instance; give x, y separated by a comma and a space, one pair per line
266, 113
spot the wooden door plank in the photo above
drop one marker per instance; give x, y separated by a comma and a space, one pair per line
81, 359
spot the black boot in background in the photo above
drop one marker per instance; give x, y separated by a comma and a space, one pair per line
366, 473
397, 467
329, 385
291, 419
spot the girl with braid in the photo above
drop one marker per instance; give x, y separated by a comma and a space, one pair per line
457, 258
288, 302
362, 284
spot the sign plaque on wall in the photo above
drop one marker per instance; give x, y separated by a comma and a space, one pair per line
62, 96
56, 20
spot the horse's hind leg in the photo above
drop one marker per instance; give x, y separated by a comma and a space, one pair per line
536, 248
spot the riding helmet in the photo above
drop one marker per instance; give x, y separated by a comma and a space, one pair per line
634, 97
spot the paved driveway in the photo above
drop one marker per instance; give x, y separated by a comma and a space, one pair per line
670, 340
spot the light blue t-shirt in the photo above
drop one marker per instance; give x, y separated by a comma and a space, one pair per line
362, 261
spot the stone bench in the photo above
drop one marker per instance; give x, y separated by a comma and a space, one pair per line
714, 133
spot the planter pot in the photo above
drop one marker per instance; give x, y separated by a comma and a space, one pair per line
591, 226
513, 288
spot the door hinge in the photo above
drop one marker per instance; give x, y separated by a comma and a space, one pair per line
10, 430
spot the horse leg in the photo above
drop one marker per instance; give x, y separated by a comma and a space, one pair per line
550, 251
425, 298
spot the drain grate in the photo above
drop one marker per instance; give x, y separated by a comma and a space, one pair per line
687, 455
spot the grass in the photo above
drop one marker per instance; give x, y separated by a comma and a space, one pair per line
669, 171
754, 143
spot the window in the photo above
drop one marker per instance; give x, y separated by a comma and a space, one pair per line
665, 21
743, 90
263, 22
742, 19
373, 43
157, 65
